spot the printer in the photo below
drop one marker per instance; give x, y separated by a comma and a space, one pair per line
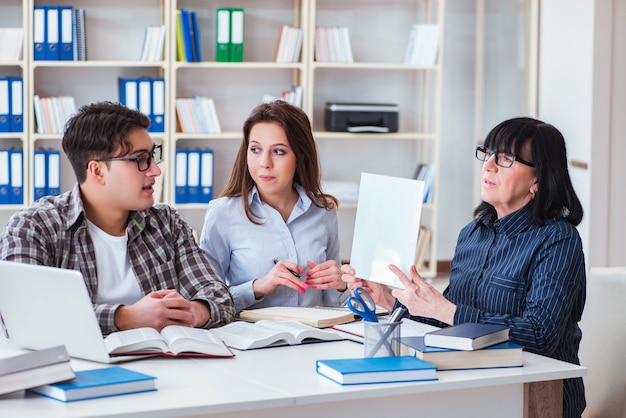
361, 117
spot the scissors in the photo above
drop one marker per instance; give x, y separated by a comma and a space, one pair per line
362, 304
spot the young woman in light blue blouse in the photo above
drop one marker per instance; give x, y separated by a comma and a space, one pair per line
272, 235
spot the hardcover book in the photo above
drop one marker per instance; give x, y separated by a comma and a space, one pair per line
98, 383
468, 336
269, 333
319, 317
34, 368
172, 341
505, 354
376, 370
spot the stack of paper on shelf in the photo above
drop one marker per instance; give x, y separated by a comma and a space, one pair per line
292, 96
98, 383
11, 41
153, 42
505, 354
332, 44
319, 317
423, 45
51, 113
35, 368
197, 115
269, 333
345, 191
376, 370
289, 44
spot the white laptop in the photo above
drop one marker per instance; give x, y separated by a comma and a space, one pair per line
45, 306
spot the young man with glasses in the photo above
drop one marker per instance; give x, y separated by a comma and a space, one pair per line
141, 264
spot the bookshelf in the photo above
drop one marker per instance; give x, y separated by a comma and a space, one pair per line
379, 33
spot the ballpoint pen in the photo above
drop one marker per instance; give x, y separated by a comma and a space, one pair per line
289, 270
394, 319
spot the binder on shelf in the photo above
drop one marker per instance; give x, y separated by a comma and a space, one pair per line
193, 176
144, 93
157, 117
16, 95
5, 181
39, 32
53, 166
236, 35
180, 42
206, 176
187, 35
39, 174
79, 35
180, 178
196, 37
128, 92
52, 34
222, 50
16, 167
5, 105
66, 33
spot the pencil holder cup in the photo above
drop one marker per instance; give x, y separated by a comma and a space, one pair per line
381, 339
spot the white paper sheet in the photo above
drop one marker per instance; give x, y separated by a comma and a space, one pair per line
386, 227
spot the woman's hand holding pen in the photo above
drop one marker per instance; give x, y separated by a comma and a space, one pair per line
326, 275
421, 298
380, 293
283, 273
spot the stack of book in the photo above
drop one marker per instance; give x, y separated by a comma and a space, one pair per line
35, 368
153, 42
465, 346
51, 113
332, 44
292, 96
289, 44
197, 115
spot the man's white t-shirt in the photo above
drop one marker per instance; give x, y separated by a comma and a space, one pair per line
117, 282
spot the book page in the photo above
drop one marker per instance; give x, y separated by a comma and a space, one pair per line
194, 340
245, 335
300, 331
138, 339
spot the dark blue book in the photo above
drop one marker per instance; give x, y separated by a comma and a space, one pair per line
376, 370
468, 336
98, 383
505, 354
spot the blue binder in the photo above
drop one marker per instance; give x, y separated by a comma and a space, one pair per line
144, 98
157, 117
128, 92
16, 167
40, 172
206, 176
193, 176
187, 35
53, 168
17, 104
196, 37
180, 177
39, 32
5, 180
51, 42
5, 105
66, 33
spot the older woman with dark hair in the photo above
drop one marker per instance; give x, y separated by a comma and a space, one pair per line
520, 261
273, 233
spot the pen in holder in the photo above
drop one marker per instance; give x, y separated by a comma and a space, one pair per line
381, 339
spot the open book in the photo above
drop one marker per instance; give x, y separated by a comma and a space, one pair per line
268, 333
174, 340
320, 317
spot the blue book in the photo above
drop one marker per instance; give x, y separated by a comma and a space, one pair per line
467, 336
376, 370
505, 354
98, 383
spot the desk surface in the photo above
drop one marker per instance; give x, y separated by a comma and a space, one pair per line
281, 379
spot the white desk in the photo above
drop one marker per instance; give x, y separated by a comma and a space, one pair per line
282, 382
